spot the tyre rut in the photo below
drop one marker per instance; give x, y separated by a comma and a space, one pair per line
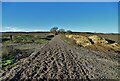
54, 60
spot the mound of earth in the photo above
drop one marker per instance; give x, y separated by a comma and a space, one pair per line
98, 40
114, 46
80, 40
96, 43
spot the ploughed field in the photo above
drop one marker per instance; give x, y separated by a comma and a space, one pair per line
62, 57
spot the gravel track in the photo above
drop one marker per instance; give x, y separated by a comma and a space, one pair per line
58, 60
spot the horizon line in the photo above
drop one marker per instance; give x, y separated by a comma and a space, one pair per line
50, 32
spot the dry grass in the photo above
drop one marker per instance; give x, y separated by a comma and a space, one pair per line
97, 43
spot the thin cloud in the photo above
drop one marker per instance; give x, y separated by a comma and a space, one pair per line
11, 29
38, 30
18, 29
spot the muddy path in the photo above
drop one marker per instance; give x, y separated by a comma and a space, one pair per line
58, 60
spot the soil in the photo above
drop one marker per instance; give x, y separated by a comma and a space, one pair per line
58, 60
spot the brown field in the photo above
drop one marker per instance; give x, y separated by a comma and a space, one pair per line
59, 57
114, 37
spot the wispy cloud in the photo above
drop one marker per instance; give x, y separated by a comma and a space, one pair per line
18, 29
11, 29
38, 30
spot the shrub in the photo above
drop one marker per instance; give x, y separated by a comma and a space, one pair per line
69, 31
54, 30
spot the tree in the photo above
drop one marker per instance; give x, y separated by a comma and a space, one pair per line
54, 30
61, 30
69, 31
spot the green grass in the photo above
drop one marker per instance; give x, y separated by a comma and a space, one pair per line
23, 38
40, 41
8, 57
8, 61
26, 39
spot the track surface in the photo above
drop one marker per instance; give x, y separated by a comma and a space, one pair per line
58, 60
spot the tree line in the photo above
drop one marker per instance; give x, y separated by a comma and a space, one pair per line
56, 31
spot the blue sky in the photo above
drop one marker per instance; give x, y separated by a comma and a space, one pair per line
40, 16
60, 0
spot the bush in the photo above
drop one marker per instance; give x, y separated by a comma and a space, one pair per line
61, 30
54, 30
69, 31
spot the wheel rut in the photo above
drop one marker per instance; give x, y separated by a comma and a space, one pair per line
54, 60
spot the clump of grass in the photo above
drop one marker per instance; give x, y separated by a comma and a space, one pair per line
6, 51
40, 41
26, 39
7, 61
8, 58
23, 39
7, 42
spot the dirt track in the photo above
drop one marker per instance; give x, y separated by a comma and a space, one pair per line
58, 60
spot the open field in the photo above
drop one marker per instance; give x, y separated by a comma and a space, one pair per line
78, 56
21, 46
114, 37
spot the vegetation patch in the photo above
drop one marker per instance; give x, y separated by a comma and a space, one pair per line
40, 41
8, 58
11, 55
25, 39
